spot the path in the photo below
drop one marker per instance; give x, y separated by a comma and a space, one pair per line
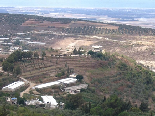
28, 89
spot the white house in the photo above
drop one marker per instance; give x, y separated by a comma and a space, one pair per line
97, 48
49, 101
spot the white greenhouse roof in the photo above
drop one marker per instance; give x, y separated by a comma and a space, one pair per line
4, 38
13, 86
49, 99
66, 81
47, 84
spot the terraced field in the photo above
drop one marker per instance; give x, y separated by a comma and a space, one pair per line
45, 70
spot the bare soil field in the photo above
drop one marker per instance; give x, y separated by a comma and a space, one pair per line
33, 22
44, 24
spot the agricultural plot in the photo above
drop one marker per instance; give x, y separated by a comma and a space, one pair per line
41, 71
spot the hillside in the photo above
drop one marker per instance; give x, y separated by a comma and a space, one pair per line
106, 74
119, 79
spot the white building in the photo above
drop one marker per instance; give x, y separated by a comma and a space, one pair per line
14, 86
73, 75
33, 102
97, 48
36, 43
49, 101
75, 89
12, 49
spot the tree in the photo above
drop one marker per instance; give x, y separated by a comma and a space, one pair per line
91, 53
79, 77
73, 101
17, 42
96, 111
17, 70
75, 52
36, 55
3, 111
144, 107
43, 54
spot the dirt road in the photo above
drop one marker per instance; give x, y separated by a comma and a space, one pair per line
28, 89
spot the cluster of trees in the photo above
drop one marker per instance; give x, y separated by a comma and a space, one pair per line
122, 29
76, 52
112, 106
8, 64
107, 59
129, 78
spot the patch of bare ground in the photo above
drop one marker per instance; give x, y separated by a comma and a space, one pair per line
69, 44
33, 22
140, 48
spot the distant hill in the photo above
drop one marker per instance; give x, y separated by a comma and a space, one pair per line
3, 11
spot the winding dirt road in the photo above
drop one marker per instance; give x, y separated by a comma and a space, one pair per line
29, 88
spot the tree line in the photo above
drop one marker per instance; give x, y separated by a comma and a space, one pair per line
122, 29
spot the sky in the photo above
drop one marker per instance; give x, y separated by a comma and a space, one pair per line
81, 3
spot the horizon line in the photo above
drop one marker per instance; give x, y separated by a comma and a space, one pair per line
77, 7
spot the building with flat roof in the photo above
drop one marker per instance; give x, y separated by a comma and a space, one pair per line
75, 89
97, 48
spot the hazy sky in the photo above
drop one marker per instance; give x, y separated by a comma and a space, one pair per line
82, 3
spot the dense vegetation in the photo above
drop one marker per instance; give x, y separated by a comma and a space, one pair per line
129, 80
76, 105
9, 63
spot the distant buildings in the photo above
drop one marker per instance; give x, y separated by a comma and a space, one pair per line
36, 43
11, 100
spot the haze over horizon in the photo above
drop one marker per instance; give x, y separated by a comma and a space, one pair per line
80, 3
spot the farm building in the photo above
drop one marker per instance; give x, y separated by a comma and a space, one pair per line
49, 101
14, 86
59, 82
97, 48
11, 100
75, 89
